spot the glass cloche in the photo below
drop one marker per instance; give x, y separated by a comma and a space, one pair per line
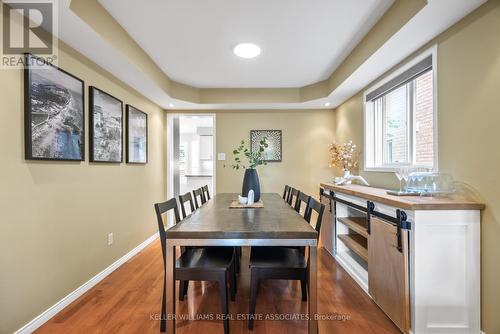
430, 183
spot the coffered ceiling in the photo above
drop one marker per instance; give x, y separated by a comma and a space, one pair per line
315, 54
302, 41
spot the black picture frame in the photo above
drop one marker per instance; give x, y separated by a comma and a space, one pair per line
275, 140
28, 112
92, 120
130, 109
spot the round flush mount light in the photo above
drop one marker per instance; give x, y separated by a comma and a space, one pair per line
247, 50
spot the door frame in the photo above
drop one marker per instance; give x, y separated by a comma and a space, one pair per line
170, 151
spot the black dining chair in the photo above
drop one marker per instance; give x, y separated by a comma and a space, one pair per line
302, 198
199, 193
206, 192
183, 199
294, 193
200, 264
286, 192
281, 263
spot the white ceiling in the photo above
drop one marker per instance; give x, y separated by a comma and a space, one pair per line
302, 41
437, 16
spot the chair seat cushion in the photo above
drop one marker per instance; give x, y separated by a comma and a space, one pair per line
214, 258
277, 257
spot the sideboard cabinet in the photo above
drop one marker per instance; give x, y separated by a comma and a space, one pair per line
417, 257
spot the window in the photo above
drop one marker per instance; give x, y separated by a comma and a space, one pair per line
400, 119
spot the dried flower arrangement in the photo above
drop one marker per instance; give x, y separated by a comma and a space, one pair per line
345, 156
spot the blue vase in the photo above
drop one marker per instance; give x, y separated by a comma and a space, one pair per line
251, 181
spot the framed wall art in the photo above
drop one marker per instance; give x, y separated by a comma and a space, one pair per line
137, 136
54, 112
106, 127
273, 152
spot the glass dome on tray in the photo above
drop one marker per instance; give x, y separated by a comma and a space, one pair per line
430, 183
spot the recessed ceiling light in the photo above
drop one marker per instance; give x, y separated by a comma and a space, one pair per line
247, 50
171, 105
327, 104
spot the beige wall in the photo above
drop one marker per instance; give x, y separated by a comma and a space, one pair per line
55, 216
306, 136
468, 107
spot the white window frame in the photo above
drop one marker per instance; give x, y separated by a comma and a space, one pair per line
371, 150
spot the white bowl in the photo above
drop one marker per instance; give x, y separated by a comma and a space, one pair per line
242, 200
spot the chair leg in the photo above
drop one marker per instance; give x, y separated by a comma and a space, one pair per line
237, 263
232, 281
223, 301
237, 258
183, 287
235, 278
303, 286
163, 320
254, 289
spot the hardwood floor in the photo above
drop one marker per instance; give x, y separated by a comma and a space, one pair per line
129, 301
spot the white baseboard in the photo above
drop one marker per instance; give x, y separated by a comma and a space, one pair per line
57, 307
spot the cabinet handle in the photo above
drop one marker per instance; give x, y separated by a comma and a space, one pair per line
370, 207
402, 224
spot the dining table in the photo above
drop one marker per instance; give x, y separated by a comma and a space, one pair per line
217, 224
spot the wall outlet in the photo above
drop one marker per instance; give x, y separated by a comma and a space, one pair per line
110, 239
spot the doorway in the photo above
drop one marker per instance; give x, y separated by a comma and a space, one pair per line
191, 147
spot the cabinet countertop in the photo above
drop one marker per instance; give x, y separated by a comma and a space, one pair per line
454, 202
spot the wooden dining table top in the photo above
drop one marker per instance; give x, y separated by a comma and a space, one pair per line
215, 220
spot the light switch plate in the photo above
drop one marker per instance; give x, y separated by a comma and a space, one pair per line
221, 156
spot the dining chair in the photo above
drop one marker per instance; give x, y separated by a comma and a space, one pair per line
286, 192
302, 198
206, 193
282, 263
183, 199
201, 264
293, 193
199, 193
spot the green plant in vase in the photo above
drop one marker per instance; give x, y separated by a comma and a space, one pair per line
253, 160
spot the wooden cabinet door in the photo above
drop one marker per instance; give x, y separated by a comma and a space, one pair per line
327, 226
388, 272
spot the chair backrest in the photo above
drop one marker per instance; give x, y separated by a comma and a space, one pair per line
301, 198
160, 209
286, 192
293, 192
184, 199
206, 193
314, 205
198, 193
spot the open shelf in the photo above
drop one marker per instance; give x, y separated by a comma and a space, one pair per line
357, 224
357, 243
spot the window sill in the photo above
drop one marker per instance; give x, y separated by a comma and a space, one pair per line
392, 169
381, 169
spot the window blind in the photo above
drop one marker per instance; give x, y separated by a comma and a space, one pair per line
416, 70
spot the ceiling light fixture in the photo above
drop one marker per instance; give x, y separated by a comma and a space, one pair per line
327, 104
247, 50
171, 105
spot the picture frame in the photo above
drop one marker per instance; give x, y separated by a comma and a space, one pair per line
273, 153
137, 136
105, 127
54, 112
